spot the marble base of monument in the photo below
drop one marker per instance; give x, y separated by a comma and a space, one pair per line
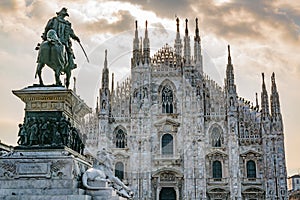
42, 173
106, 193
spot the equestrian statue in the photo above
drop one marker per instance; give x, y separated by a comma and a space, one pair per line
56, 49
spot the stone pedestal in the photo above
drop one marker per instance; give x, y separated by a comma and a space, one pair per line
48, 163
53, 117
43, 173
53, 101
107, 193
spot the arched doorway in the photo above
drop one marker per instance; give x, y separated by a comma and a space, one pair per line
167, 193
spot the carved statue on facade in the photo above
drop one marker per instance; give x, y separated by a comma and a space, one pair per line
102, 170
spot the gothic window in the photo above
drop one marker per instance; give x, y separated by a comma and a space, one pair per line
217, 169
167, 144
119, 170
120, 139
251, 169
167, 100
198, 91
216, 137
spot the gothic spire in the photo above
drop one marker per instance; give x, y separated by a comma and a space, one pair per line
264, 98
186, 27
197, 37
105, 59
177, 24
105, 73
187, 47
146, 52
229, 56
256, 101
197, 48
178, 45
135, 56
275, 104
231, 88
112, 82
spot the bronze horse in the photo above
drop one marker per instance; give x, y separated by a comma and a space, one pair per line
53, 54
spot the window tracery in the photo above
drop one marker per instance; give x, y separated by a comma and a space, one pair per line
167, 99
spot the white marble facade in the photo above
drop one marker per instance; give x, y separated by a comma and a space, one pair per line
177, 134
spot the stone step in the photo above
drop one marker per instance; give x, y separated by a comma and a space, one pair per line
46, 197
34, 191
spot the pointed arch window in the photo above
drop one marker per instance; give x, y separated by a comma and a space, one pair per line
167, 144
120, 139
217, 169
119, 170
251, 169
198, 91
167, 100
216, 137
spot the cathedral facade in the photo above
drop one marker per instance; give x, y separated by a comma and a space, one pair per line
176, 134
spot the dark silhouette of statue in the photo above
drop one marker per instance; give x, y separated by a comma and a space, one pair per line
56, 49
64, 32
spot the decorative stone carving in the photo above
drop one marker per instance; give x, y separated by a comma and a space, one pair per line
102, 172
167, 177
8, 169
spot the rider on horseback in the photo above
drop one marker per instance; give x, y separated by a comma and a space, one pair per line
56, 49
64, 32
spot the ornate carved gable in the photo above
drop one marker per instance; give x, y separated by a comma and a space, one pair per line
217, 154
251, 153
167, 125
120, 154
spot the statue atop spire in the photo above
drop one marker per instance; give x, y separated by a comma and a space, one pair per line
105, 73
187, 47
178, 45
186, 27
105, 59
229, 56
177, 24
197, 36
146, 50
264, 98
275, 104
136, 44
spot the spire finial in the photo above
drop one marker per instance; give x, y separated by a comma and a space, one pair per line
74, 87
146, 24
273, 78
197, 37
186, 27
274, 88
136, 25
105, 59
177, 24
229, 56
256, 100
112, 82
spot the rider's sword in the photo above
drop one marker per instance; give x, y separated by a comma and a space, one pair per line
84, 52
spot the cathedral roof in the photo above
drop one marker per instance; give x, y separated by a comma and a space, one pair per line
165, 55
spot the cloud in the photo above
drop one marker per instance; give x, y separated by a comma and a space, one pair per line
10, 5
124, 22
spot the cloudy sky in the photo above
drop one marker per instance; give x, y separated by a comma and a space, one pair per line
263, 34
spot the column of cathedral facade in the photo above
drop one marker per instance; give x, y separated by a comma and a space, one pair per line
223, 147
